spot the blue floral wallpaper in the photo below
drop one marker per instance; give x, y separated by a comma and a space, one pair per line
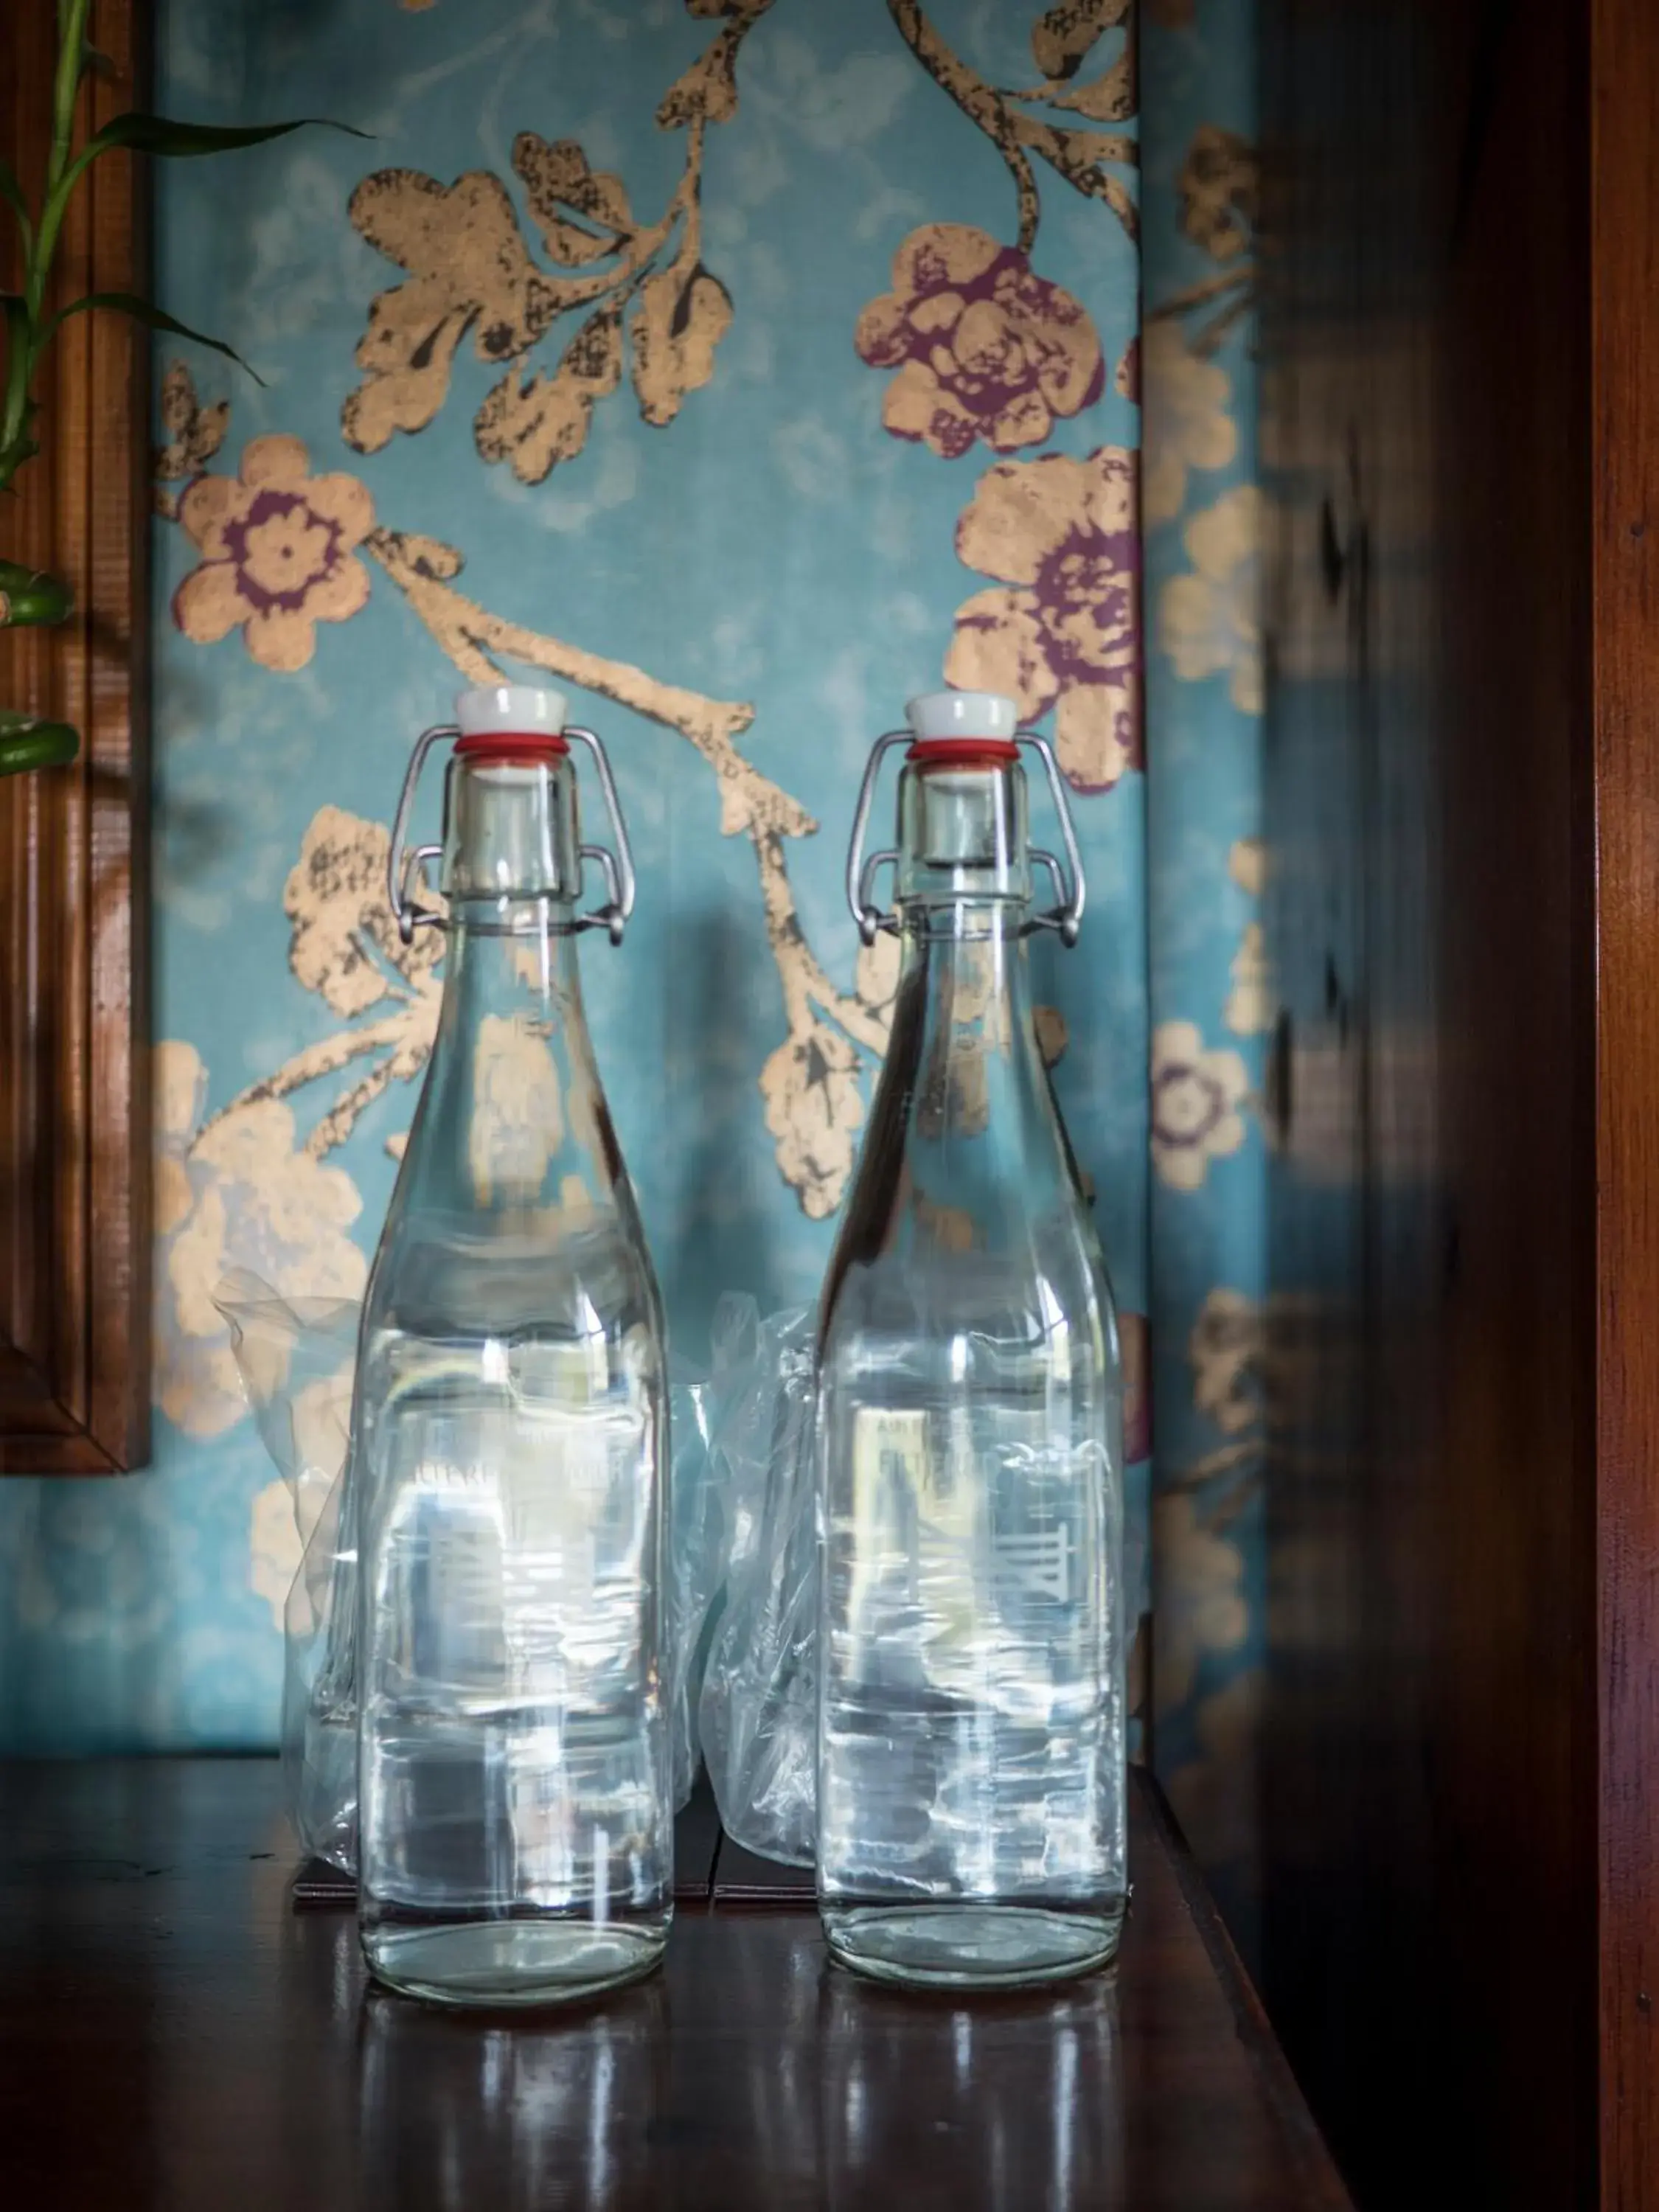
1210, 1005
744, 366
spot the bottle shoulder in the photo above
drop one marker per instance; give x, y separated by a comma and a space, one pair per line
494, 1277
1046, 1302
968, 1225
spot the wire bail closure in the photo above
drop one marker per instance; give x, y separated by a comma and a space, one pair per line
405, 863
1066, 917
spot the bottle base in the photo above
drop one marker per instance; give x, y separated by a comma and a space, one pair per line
969, 1945
511, 1963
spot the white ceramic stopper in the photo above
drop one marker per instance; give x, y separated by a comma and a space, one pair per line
963, 714
512, 710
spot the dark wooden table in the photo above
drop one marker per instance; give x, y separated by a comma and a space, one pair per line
174, 2034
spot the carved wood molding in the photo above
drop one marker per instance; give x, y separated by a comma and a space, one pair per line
75, 1228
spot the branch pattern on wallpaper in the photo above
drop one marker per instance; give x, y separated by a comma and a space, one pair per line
1084, 158
1220, 190
983, 352
470, 268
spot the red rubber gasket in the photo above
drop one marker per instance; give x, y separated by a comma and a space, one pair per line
511, 747
963, 752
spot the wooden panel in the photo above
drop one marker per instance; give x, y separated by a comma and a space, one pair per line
74, 842
1429, 1790
1625, 416
173, 2034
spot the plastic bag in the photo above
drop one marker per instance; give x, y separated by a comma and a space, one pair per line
756, 1713
297, 1359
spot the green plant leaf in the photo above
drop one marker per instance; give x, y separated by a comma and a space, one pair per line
154, 133
23, 447
32, 595
26, 742
12, 192
16, 410
142, 311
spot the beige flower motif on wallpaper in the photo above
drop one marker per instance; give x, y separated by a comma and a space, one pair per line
985, 348
1201, 1608
814, 1110
1227, 1353
241, 1191
238, 1193
1009, 354
517, 1122
1247, 863
1060, 535
640, 282
1249, 1009
287, 1514
1251, 1006
278, 547
1220, 191
875, 977
1196, 1095
346, 946
1185, 424
1209, 620
194, 435
1021, 124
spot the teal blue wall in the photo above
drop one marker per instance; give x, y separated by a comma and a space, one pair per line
750, 562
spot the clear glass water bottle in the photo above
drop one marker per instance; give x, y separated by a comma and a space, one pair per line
971, 1776
511, 1433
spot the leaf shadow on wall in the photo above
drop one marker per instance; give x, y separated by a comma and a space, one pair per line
721, 1238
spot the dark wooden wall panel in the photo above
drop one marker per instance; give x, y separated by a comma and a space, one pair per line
1430, 1776
1624, 418
74, 1244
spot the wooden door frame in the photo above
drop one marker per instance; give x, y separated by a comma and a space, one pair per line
75, 1124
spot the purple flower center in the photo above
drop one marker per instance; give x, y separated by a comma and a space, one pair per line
1085, 598
1012, 323
1201, 1107
287, 561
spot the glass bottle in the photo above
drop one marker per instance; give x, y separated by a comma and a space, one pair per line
971, 1778
511, 1434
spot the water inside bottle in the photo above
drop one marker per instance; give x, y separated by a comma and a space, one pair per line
972, 1725
514, 1843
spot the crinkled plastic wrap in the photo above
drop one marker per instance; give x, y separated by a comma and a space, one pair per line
757, 1715
297, 1356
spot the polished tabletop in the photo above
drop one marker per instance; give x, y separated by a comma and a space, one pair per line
174, 2033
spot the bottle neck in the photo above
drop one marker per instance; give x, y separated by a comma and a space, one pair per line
962, 835
964, 898
510, 827
512, 1124
964, 1147
514, 957
964, 1021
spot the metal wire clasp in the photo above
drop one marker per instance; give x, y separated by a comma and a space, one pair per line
404, 862
617, 867
1070, 890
